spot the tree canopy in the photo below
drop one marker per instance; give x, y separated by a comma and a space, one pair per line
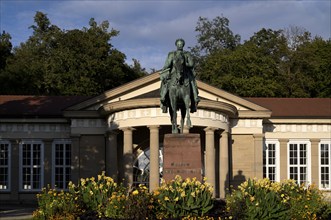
65, 62
272, 63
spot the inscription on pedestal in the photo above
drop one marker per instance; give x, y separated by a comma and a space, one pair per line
182, 156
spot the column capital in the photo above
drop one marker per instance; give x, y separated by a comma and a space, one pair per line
127, 129
48, 140
315, 140
210, 129
153, 127
258, 136
283, 140
222, 132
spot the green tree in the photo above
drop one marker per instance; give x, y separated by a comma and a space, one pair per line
5, 49
67, 62
306, 72
250, 69
272, 63
215, 35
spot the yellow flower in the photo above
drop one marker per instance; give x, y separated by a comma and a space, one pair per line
136, 192
176, 199
193, 194
252, 198
166, 198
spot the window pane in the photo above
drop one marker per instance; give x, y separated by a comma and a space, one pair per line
31, 166
62, 170
325, 165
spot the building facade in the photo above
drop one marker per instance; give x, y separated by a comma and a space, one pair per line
54, 140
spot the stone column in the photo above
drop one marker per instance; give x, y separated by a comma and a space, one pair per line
210, 157
75, 158
283, 158
258, 155
15, 170
314, 161
111, 155
224, 163
48, 163
127, 155
154, 176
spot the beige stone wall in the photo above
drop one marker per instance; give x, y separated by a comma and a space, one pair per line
243, 157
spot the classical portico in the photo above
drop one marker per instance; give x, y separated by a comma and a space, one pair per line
134, 122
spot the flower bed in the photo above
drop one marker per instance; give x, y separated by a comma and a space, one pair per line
102, 198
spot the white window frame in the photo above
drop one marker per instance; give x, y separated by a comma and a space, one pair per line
326, 141
54, 166
7, 188
277, 158
308, 159
31, 142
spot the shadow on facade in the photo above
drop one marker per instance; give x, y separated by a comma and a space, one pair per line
238, 179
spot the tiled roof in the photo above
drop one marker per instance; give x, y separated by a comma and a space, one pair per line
36, 106
296, 107
52, 106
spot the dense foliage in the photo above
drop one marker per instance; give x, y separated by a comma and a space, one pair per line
101, 197
272, 63
64, 62
263, 199
188, 197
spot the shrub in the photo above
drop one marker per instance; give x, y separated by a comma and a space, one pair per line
103, 196
263, 199
140, 204
56, 205
179, 198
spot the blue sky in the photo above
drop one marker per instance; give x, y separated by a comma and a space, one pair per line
148, 29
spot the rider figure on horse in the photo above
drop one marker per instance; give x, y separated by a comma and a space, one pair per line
179, 63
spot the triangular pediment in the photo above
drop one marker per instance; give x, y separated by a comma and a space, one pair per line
148, 87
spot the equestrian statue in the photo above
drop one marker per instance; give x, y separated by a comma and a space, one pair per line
178, 89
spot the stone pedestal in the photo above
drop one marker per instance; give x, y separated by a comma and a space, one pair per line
182, 156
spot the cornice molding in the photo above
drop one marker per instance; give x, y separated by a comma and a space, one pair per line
110, 108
